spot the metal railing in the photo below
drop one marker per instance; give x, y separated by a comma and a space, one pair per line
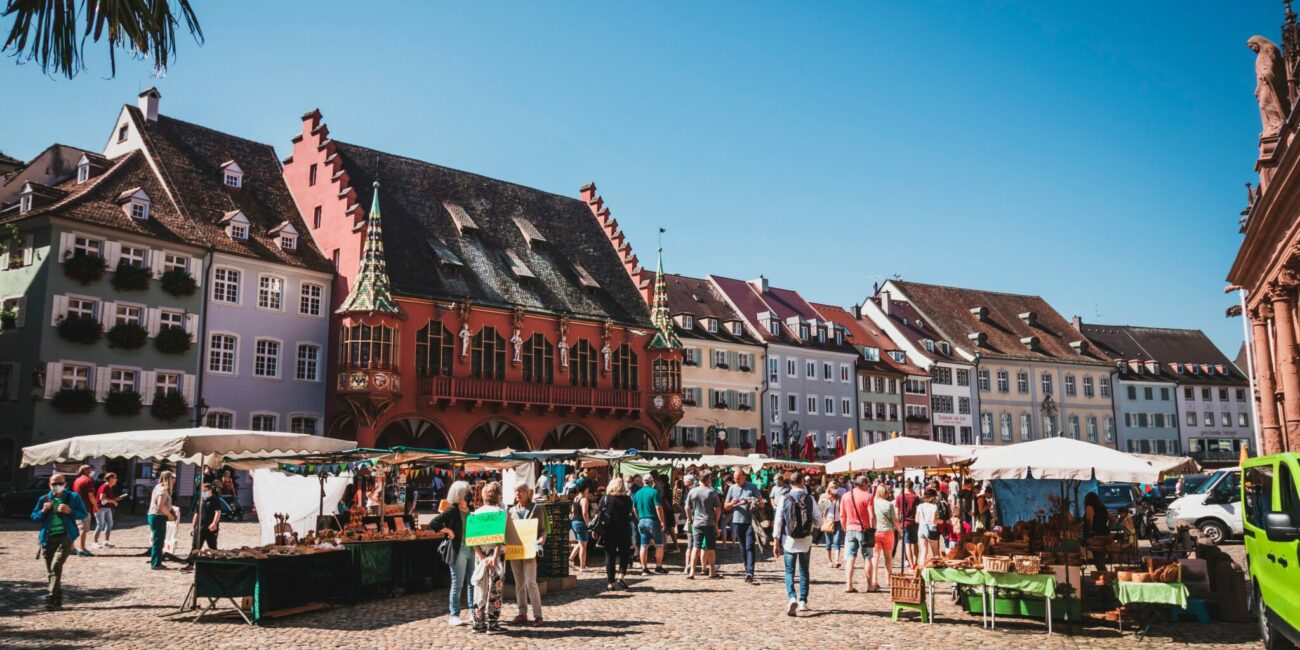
527, 394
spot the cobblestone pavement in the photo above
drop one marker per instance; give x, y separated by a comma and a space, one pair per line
113, 600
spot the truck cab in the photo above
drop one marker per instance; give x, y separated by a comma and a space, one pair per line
1214, 508
1270, 490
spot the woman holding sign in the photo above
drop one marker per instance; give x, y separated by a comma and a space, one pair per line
525, 569
489, 574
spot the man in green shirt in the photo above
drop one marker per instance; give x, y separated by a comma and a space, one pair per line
58, 512
650, 524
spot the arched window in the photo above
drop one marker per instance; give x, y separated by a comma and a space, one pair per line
488, 354
434, 347
624, 368
582, 364
539, 360
367, 347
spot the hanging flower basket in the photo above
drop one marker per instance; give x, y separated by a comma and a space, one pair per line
73, 400
84, 268
80, 329
123, 403
169, 405
127, 336
172, 339
179, 283
129, 277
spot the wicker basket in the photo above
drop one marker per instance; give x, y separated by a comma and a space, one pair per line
997, 564
1027, 565
906, 588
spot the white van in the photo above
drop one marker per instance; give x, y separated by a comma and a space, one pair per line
1214, 508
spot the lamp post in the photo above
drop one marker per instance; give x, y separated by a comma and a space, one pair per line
200, 412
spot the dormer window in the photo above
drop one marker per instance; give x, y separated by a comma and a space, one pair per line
688, 322
839, 337
135, 203
821, 334
898, 355
737, 329
286, 236
947, 349
871, 354
288, 242
928, 344
236, 225
774, 327
804, 332
139, 211
711, 324
231, 175
25, 201
238, 231
83, 170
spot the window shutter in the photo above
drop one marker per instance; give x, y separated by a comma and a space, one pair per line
53, 377
157, 262
4, 260
153, 320
192, 325
28, 242
196, 270
65, 246
101, 383
112, 253
22, 312
187, 388
713, 359
106, 312
13, 382
731, 399
712, 401
60, 309
148, 381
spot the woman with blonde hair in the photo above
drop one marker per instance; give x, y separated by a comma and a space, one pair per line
490, 572
620, 519
886, 516
525, 571
452, 522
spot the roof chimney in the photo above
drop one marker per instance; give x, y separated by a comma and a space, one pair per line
884, 302
1029, 317
1077, 322
981, 314
857, 312
148, 103
759, 284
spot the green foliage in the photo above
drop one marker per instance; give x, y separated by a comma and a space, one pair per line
123, 403
8, 319
85, 268
80, 329
169, 405
128, 277
172, 340
179, 283
127, 336
72, 400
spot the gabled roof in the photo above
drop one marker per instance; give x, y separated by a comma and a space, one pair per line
1004, 327
699, 298
191, 157
865, 334
914, 330
1173, 349
750, 302
426, 203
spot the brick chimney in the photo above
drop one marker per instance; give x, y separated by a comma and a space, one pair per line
1077, 322
884, 302
148, 104
759, 284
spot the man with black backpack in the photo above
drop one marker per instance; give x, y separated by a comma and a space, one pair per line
796, 519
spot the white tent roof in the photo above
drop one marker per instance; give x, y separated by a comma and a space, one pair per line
1061, 458
201, 444
1170, 464
898, 453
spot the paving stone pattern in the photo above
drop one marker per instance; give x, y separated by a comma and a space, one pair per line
114, 601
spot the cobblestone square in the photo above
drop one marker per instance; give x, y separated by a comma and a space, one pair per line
112, 600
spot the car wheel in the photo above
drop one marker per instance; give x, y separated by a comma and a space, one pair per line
1272, 640
1214, 531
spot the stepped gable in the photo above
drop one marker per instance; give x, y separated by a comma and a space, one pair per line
455, 235
191, 157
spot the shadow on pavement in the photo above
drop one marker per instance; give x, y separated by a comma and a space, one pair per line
22, 597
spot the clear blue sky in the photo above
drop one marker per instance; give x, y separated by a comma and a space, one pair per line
1090, 152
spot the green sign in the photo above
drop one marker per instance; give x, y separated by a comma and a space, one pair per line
485, 528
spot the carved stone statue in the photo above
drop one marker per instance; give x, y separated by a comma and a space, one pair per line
604, 353
518, 342
563, 349
1270, 84
465, 336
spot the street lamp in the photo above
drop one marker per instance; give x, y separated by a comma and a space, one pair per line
200, 412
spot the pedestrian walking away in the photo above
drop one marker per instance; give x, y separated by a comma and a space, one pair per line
792, 531
618, 520
702, 508
650, 526
856, 515
84, 486
579, 519
885, 516
58, 512
832, 530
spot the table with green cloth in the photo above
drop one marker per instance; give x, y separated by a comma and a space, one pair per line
274, 583
1040, 585
385, 568
1151, 596
968, 577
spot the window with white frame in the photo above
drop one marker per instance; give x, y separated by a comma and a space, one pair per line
75, 377
139, 209
963, 405
220, 420
711, 324
791, 367
121, 380
1088, 390
1104, 386
127, 315
828, 371
1110, 428
172, 262
774, 327
720, 359
309, 299
774, 371
1004, 382
963, 377
1070, 387
83, 170
308, 362
266, 358
1209, 419
846, 406
810, 370
845, 375
880, 411
133, 255
1005, 426
828, 406
221, 353
225, 286
303, 424
1026, 427
1092, 428
232, 179
288, 242
238, 230
1074, 427
983, 379
737, 329
82, 307
871, 354
812, 405
1047, 383
688, 322
774, 407
263, 422
87, 246
170, 318
270, 292
986, 424
792, 404
167, 382
1022, 382
893, 387
941, 403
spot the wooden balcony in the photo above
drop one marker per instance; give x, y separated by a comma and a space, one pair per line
447, 391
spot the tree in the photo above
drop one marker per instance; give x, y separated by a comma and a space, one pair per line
54, 32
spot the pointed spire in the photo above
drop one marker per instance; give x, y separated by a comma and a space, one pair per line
370, 289
665, 338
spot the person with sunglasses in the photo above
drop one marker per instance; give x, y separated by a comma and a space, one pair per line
58, 512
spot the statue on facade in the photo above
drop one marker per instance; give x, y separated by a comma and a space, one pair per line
1270, 84
518, 341
604, 354
564, 342
465, 336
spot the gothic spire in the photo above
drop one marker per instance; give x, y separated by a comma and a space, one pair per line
370, 289
665, 338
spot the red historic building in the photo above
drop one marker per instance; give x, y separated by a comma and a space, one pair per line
476, 314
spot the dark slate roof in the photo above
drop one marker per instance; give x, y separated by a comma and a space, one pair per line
191, 157
1173, 349
96, 201
498, 266
866, 334
699, 298
785, 303
949, 310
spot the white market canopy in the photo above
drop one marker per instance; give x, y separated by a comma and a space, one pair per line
1061, 458
899, 453
195, 445
1170, 464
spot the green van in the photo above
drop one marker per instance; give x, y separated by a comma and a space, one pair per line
1270, 490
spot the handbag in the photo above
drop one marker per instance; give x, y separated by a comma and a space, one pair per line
828, 525
596, 527
868, 533
447, 551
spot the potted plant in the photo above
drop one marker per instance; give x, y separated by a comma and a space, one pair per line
178, 282
8, 319
127, 336
129, 277
73, 400
84, 268
169, 405
123, 403
80, 329
172, 339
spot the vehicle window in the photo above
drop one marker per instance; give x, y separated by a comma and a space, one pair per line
1290, 498
1213, 480
1259, 493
